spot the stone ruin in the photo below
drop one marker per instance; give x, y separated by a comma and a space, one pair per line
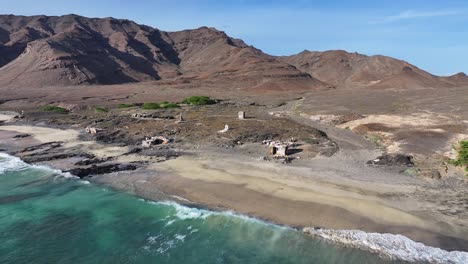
279, 148
93, 130
180, 119
241, 115
154, 116
149, 142
142, 115
20, 115
279, 151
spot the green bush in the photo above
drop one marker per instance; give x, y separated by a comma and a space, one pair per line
125, 105
101, 109
168, 105
199, 100
151, 106
53, 108
462, 159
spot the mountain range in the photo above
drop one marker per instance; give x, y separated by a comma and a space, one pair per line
74, 50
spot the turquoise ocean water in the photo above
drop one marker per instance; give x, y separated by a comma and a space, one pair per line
48, 218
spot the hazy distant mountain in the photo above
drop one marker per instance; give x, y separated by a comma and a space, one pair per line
346, 69
457, 79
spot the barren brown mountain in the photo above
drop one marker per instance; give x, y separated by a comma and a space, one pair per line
71, 50
458, 79
40, 51
346, 69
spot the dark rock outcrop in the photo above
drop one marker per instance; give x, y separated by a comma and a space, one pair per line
22, 136
101, 169
392, 160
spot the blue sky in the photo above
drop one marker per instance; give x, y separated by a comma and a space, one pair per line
431, 34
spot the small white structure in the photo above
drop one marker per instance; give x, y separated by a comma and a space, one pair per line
226, 128
241, 115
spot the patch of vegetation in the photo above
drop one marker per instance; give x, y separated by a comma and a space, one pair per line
53, 108
313, 141
400, 106
377, 140
462, 159
125, 105
101, 109
198, 100
168, 105
149, 106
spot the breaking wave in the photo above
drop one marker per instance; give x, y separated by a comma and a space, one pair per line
12, 163
185, 212
394, 247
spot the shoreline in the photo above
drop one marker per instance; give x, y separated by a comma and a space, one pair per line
386, 246
267, 191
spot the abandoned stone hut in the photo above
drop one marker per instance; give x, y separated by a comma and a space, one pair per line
148, 142
279, 150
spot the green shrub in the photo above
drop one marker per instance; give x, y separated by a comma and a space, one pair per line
151, 106
168, 105
53, 108
199, 100
125, 105
100, 109
462, 159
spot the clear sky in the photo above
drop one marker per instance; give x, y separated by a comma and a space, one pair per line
432, 34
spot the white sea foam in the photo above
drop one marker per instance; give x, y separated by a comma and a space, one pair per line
10, 163
170, 222
163, 243
180, 237
395, 247
153, 239
180, 198
184, 212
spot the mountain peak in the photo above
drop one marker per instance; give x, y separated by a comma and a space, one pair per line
461, 74
344, 69
72, 50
